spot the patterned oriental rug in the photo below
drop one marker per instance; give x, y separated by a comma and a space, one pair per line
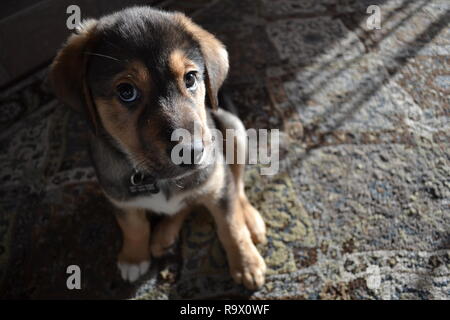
360, 208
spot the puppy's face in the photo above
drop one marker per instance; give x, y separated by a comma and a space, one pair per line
139, 75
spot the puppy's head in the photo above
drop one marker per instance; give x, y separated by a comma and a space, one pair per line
140, 74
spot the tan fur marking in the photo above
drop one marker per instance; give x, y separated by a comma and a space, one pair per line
137, 73
177, 63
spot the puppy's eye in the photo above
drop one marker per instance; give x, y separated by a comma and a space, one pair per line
190, 79
127, 92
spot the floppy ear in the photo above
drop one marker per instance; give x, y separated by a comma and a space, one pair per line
214, 54
68, 71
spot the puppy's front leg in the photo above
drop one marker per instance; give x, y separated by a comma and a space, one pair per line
246, 264
134, 257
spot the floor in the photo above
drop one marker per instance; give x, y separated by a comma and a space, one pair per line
360, 208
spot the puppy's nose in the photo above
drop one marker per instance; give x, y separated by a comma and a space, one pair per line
191, 154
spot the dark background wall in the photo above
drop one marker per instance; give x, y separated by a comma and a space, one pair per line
32, 30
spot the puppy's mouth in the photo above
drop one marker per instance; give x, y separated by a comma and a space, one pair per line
175, 170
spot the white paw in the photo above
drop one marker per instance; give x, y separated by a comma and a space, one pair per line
131, 272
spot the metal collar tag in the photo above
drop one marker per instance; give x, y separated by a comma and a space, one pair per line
139, 183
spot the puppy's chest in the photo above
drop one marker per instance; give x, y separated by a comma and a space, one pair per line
158, 203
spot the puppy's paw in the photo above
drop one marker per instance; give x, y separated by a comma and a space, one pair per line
132, 271
250, 271
133, 263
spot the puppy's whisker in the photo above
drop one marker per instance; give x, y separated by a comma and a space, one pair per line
102, 55
179, 186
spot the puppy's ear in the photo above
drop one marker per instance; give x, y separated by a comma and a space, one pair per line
68, 71
214, 54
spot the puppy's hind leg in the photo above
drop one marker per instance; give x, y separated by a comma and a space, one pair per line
134, 257
253, 218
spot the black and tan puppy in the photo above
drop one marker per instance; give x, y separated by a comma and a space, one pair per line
138, 75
